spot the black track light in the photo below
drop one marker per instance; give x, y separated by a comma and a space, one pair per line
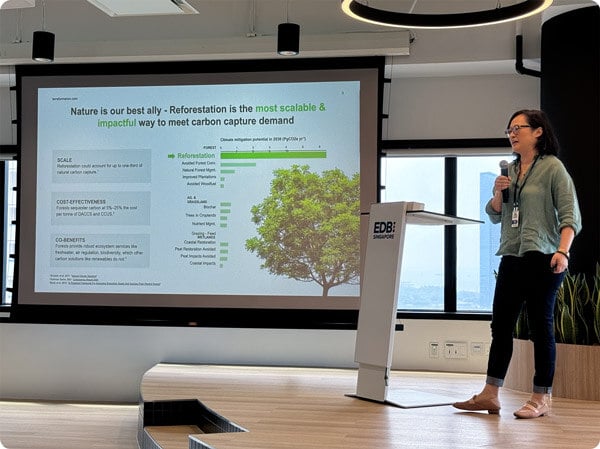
288, 39
43, 46
43, 41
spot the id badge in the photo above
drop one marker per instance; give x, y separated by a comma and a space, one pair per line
514, 223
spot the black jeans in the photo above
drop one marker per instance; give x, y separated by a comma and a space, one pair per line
530, 280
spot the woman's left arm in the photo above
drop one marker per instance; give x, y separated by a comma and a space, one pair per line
569, 217
564, 198
560, 259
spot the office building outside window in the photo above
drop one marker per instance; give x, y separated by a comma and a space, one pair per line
423, 179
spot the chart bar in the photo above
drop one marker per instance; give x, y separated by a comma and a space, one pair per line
284, 154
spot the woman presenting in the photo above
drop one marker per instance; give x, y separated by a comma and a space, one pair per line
538, 224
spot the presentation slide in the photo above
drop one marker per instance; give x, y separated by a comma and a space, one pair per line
224, 189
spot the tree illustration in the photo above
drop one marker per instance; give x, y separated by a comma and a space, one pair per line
308, 227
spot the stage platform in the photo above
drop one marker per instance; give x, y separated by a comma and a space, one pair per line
246, 407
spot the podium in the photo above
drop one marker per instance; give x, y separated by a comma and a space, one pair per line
379, 300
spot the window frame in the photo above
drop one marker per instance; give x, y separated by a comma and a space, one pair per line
450, 150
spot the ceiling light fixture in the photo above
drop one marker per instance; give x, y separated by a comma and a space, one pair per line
288, 37
43, 41
500, 14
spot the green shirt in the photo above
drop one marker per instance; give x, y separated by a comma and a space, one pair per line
547, 202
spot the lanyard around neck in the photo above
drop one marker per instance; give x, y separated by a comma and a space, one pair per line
518, 190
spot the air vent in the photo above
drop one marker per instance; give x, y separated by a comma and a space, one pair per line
128, 8
15, 4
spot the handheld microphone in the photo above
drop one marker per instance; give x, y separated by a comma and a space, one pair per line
504, 172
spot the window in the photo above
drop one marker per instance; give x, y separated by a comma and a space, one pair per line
476, 245
421, 278
424, 179
432, 179
8, 244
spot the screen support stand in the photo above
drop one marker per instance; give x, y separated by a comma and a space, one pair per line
379, 301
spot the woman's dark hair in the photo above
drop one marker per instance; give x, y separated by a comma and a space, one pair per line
547, 142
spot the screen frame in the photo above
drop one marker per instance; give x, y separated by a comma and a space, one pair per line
251, 316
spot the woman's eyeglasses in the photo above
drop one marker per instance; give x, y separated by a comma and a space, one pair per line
515, 129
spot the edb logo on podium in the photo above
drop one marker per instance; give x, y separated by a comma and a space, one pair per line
384, 229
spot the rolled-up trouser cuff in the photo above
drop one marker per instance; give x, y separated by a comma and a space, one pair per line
494, 381
542, 390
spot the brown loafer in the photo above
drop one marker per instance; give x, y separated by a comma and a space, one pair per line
532, 409
492, 405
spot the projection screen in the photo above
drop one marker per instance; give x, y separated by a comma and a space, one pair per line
189, 187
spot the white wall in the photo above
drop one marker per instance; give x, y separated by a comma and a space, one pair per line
458, 107
106, 363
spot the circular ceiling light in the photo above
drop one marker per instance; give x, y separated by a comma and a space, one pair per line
365, 13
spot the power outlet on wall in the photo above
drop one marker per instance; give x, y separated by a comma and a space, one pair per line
434, 349
478, 348
455, 350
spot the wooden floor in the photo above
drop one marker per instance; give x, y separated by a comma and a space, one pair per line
289, 408
52, 425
